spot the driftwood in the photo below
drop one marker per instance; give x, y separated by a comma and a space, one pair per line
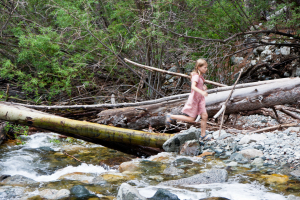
245, 99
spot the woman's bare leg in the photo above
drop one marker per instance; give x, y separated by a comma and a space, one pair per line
183, 118
204, 117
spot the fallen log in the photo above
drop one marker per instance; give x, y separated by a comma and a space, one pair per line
156, 101
243, 99
61, 125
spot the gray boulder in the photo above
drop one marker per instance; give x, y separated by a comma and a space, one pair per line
211, 176
126, 192
18, 180
296, 173
174, 143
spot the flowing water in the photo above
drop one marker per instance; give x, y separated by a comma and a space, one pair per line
50, 161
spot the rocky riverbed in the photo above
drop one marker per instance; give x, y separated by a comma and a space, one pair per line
230, 166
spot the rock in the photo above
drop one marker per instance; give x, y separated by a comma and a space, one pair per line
258, 162
276, 178
266, 53
268, 58
253, 62
131, 166
127, 192
173, 171
232, 164
294, 129
191, 148
174, 143
162, 194
164, 157
237, 60
54, 194
99, 181
238, 158
47, 149
18, 180
245, 140
156, 178
2, 177
117, 177
251, 153
292, 197
257, 137
13, 193
80, 191
79, 176
296, 72
216, 134
211, 176
285, 50
296, 173
172, 69
257, 51
207, 153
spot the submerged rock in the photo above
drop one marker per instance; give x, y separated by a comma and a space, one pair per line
173, 171
54, 194
162, 194
131, 166
18, 180
211, 176
80, 191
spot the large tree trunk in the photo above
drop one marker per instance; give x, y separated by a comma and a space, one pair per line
22, 115
244, 99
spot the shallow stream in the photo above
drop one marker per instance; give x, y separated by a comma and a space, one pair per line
51, 162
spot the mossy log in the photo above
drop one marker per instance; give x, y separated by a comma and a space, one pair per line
26, 116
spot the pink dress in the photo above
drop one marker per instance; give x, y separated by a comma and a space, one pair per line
195, 104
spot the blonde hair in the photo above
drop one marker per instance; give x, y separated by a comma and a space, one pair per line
199, 63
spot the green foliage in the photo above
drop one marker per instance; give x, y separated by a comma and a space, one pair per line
55, 141
17, 131
53, 50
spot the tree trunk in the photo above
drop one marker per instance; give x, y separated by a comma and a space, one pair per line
22, 115
244, 99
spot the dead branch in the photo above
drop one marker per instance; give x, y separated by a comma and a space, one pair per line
225, 104
167, 72
274, 127
284, 110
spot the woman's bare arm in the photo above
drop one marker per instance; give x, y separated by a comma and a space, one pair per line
203, 93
